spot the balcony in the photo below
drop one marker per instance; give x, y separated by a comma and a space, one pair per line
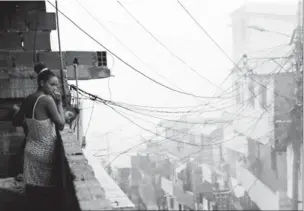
82, 190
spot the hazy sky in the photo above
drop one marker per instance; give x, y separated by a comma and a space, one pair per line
171, 25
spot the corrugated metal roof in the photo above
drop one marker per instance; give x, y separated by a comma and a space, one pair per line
114, 194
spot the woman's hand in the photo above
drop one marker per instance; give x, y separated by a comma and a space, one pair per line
16, 108
18, 116
57, 97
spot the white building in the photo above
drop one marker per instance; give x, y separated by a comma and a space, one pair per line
262, 32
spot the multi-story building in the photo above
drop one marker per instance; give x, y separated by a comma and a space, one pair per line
187, 146
264, 96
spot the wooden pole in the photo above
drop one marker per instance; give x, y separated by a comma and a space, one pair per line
60, 54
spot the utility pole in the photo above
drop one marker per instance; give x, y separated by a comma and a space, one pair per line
297, 111
60, 54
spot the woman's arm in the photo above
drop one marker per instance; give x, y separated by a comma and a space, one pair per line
55, 112
61, 112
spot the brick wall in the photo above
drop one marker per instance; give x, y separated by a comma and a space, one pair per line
88, 190
82, 190
25, 29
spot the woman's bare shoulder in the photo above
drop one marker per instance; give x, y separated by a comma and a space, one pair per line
47, 99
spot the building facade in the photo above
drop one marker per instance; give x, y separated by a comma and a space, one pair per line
264, 96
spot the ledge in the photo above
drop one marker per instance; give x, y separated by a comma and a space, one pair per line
89, 192
82, 190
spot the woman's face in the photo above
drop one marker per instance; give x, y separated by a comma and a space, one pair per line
51, 85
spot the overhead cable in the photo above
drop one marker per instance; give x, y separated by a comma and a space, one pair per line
124, 45
127, 64
165, 47
228, 57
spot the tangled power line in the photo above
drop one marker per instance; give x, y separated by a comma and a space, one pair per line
149, 111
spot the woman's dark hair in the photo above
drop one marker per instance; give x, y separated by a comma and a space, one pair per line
45, 75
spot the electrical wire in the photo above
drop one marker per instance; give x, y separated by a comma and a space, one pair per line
205, 31
165, 138
192, 153
219, 47
156, 117
179, 159
125, 46
126, 63
110, 92
194, 107
251, 186
154, 108
109, 88
164, 107
146, 141
240, 111
165, 47
228, 75
95, 98
150, 140
175, 130
92, 111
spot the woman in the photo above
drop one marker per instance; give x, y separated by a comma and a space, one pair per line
41, 114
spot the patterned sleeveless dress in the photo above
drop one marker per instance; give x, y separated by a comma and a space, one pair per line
39, 151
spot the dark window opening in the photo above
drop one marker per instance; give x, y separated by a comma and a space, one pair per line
101, 58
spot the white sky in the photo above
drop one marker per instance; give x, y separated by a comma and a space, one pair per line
166, 20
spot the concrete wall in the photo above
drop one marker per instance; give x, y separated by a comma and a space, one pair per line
21, 36
257, 45
261, 31
273, 17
